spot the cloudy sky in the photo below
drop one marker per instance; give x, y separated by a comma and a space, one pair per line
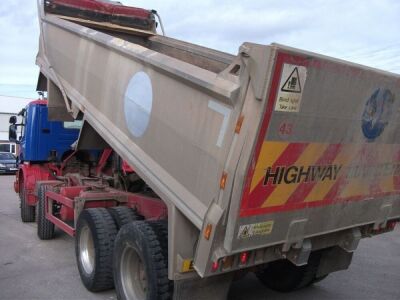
362, 31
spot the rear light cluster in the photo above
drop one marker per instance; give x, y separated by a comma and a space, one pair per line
215, 266
390, 225
229, 262
244, 257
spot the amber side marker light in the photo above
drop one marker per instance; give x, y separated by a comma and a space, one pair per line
239, 124
222, 182
208, 231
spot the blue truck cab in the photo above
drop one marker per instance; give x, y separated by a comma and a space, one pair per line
43, 140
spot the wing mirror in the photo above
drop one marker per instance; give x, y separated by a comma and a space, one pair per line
12, 133
13, 120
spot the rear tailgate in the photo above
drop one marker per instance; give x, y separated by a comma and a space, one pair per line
327, 156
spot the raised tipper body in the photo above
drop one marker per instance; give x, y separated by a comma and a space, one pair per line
272, 153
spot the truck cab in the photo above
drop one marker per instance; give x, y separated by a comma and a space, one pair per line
42, 140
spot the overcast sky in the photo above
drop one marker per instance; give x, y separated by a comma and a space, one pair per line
362, 31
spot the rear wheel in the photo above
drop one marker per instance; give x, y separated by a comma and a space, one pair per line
94, 243
141, 261
27, 211
318, 279
283, 276
45, 228
123, 215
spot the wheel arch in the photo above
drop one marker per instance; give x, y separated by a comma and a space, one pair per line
28, 176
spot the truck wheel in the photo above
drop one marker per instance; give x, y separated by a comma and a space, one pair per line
318, 279
283, 276
45, 228
141, 261
123, 215
94, 244
27, 211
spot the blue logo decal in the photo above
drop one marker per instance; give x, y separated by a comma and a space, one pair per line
377, 113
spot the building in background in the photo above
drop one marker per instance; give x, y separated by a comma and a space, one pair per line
9, 106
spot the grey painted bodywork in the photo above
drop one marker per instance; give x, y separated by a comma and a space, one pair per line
199, 95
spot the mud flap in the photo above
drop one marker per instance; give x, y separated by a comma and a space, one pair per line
332, 260
210, 288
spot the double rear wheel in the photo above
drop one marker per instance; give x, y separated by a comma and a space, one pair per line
135, 259
141, 261
94, 244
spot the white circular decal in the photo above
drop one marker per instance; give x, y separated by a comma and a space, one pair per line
138, 103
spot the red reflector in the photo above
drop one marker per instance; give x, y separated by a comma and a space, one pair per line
391, 225
244, 256
215, 266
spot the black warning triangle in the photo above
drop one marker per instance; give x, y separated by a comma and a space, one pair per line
292, 84
245, 231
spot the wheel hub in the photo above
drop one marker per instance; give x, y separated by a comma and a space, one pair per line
87, 254
133, 274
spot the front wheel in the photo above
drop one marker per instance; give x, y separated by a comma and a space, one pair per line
141, 261
94, 244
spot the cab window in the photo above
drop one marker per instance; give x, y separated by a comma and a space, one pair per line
77, 124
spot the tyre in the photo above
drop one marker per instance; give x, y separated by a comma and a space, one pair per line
141, 261
123, 215
283, 276
45, 228
318, 279
27, 211
94, 244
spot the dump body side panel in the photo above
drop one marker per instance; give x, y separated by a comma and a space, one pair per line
172, 121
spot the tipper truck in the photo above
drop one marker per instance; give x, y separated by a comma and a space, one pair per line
276, 160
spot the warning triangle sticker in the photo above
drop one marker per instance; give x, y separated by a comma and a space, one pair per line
292, 84
245, 231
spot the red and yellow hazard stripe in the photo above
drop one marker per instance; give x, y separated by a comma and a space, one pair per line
297, 175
